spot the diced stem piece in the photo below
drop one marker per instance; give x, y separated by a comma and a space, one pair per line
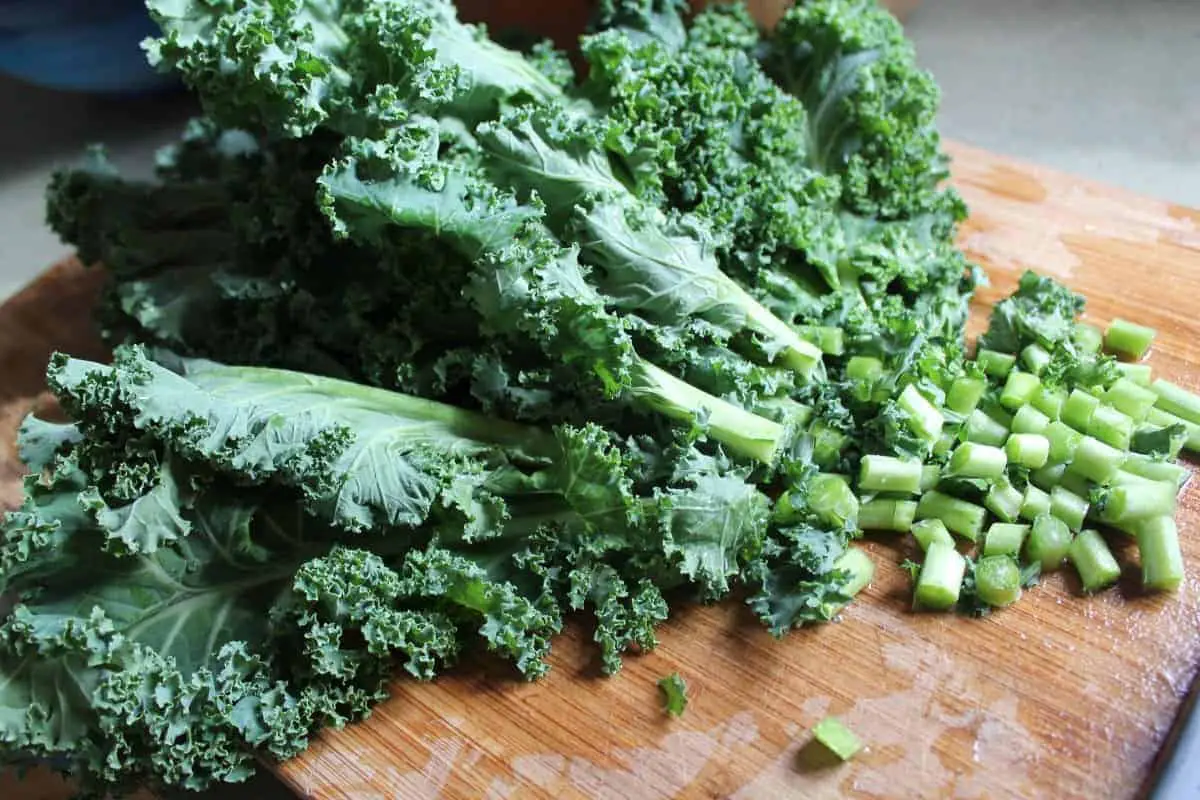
1035, 503
924, 418
886, 515
830, 340
1138, 373
827, 444
1069, 507
1077, 411
1048, 476
1155, 470
1130, 398
998, 580
1162, 559
1029, 420
940, 581
929, 531
930, 475
983, 429
1128, 478
1028, 449
1004, 539
973, 460
1128, 338
887, 474
1019, 389
859, 569
1004, 500
1094, 561
1174, 399
961, 517
995, 365
1035, 358
1049, 400
832, 500
1096, 460
864, 368
1048, 542
1133, 501
1111, 427
837, 738
964, 394
1063, 442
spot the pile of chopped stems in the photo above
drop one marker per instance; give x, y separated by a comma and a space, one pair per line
1041, 447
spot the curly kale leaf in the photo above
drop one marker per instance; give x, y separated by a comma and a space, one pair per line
263, 618
525, 284
529, 287
107, 653
1041, 311
362, 457
713, 528
871, 110
291, 66
264, 281
797, 579
703, 130
663, 267
626, 616
658, 20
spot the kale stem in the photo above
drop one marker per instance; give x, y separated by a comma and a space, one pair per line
887, 474
940, 581
1094, 561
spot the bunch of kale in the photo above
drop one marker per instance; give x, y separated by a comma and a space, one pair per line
508, 343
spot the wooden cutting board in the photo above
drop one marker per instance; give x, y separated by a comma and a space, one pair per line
1057, 697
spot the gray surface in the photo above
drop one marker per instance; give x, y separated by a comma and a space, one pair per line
1179, 778
1103, 88
42, 130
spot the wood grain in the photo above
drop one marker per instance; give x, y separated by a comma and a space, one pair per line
1059, 696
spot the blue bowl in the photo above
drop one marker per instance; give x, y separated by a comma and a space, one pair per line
91, 46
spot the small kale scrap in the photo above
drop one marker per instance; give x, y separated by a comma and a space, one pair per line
674, 694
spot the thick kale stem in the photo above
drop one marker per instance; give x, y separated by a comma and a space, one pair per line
740, 431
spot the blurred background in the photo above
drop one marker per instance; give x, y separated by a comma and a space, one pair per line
1103, 88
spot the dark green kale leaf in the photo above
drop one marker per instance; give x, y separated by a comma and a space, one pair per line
871, 110
327, 533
